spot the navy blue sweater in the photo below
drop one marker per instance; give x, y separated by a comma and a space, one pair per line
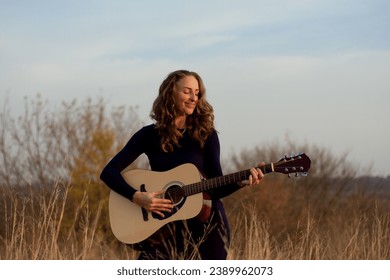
207, 159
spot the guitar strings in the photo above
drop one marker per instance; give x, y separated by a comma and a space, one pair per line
211, 183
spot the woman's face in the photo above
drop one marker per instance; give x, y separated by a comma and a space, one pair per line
186, 95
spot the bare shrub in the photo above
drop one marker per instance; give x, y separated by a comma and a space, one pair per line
47, 143
50, 146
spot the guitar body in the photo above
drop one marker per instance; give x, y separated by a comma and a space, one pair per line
131, 224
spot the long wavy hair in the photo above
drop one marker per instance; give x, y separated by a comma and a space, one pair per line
199, 125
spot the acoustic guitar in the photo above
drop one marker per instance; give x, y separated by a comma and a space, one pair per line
183, 185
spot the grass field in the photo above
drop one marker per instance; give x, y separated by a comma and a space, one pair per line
358, 228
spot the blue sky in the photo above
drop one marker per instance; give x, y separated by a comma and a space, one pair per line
317, 71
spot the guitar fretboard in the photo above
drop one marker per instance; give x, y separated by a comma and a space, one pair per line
220, 181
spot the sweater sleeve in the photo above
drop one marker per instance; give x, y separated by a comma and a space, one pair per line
212, 167
111, 173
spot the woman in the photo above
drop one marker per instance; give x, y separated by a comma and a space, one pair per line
183, 132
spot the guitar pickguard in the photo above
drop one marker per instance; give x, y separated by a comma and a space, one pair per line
174, 192
172, 213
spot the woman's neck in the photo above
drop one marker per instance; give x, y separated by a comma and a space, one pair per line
181, 122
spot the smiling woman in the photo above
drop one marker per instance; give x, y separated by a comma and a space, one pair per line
183, 133
181, 104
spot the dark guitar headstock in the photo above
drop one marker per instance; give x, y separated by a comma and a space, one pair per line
298, 164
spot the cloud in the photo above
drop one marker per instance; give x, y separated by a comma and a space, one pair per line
314, 67
336, 101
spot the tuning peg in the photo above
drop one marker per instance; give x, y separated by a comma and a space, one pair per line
303, 174
296, 174
288, 175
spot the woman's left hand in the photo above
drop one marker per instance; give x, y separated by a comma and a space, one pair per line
256, 176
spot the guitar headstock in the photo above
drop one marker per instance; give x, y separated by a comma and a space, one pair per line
299, 164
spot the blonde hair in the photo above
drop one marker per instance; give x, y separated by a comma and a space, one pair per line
199, 125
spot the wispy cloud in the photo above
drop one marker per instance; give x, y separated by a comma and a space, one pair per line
323, 62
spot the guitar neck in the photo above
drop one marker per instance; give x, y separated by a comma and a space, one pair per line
209, 184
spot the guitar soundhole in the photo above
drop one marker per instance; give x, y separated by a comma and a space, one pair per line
174, 193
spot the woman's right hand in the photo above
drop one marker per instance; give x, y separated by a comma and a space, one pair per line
153, 202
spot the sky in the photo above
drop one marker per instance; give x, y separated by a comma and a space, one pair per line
316, 72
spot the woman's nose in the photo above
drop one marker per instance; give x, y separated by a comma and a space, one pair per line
193, 96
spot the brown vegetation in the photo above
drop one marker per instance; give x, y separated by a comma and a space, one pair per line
53, 206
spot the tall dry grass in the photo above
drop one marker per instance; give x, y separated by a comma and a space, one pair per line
32, 228
53, 206
363, 238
